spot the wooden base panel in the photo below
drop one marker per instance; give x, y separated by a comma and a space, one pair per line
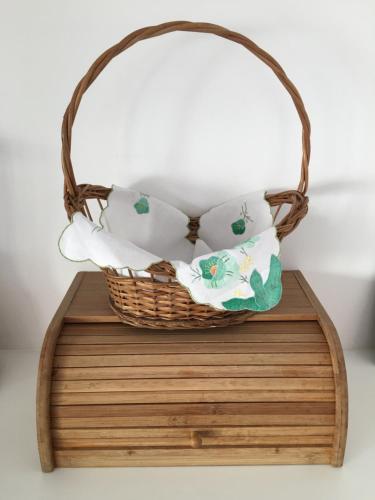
270, 391
188, 456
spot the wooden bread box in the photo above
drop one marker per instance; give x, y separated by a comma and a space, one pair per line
270, 391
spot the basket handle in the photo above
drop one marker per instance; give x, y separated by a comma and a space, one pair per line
71, 189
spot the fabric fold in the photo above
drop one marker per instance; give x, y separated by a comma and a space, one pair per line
219, 277
233, 265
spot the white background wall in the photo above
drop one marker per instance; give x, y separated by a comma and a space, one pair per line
195, 120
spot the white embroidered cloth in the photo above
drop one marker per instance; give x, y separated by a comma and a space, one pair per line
233, 265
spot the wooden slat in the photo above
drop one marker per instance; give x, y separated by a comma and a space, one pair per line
202, 456
197, 359
190, 348
230, 339
132, 442
180, 409
196, 384
229, 333
191, 420
126, 372
116, 397
181, 432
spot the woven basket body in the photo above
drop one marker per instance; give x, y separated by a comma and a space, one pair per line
159, 301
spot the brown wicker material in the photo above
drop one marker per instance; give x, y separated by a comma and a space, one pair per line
149, 302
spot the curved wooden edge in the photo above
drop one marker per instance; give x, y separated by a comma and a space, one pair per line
339, 371
44, 378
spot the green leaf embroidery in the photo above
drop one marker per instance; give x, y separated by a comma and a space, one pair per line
239, 226
266, 295
142, 205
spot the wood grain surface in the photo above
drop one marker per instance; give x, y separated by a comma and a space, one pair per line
270, 391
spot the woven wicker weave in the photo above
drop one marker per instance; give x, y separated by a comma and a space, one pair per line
147, 302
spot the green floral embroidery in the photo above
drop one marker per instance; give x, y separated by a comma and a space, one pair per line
239, 226
267, 294
142, 206
217, 271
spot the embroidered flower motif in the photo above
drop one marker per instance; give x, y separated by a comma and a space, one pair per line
239, 226
217, 271
142, 206
266, 295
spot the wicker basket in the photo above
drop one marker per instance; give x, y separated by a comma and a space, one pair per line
149, 302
